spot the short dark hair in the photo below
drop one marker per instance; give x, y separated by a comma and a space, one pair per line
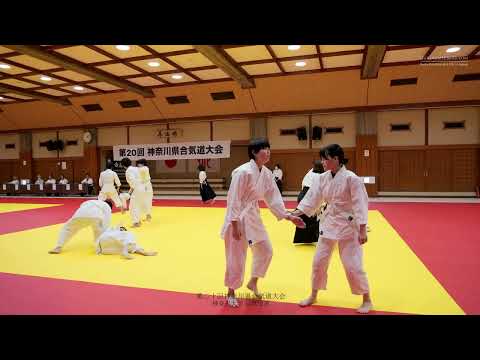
126, 162
201, 167
278, 165
333, 150
256, 145
109, 165
109, 202
318, 167
142, 161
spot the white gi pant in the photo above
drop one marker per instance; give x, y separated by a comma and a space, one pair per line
104, 195
137, 205
236, 254
148, 198
351, 254
74, 225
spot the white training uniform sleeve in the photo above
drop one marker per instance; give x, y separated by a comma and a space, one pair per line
359, 197
313, 199
234, 196
116, 179
202, 175
131, 177
273, 198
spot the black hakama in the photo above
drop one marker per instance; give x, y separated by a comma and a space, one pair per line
206, 191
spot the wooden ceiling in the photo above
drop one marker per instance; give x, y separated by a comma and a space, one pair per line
58, 72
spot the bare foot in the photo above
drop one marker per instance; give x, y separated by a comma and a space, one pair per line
253, 287
149, 217
232, 301
147, 253
129, 257
57, 250
307, 302
365, 308
136, 225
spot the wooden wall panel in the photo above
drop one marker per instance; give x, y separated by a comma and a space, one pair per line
411, 171
8, 168
438, 165
367, 165
388, 170
465, 169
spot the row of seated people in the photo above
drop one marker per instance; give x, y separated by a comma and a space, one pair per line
49, 186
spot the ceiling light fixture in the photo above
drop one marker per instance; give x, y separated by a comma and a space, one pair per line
293, 47
300, 63
123, 47
453, 49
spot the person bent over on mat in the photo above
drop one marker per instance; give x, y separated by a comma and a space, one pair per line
96, 214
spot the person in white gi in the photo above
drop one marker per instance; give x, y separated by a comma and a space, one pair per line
94, 213
120, 241
63, 180
137, 192
88, 183
144, 172
107, 181
14, 181
278, 175
50, 180
345, 222
39, 180
243, 226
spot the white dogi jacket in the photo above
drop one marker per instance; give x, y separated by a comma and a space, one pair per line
347, 201
248, 186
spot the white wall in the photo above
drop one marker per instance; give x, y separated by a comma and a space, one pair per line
199, 131
345, 120
439, 136
277, 141
42, 152
10, 153
71, 150
231, 130
416, 135
146, 134
110, 136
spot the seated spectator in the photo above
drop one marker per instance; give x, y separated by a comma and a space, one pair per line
39, 180
63, 180
88, 183
15, 181
51, 180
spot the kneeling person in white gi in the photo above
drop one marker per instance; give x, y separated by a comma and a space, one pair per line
94, 213
345, 223
243, 225
120, 241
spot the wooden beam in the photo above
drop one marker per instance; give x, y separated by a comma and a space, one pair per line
34, 94
373, 60
71, 64
213, 54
